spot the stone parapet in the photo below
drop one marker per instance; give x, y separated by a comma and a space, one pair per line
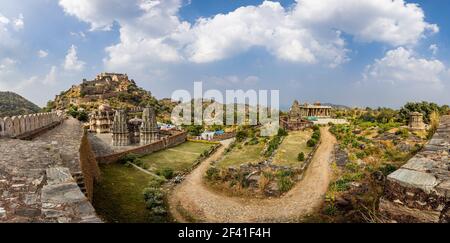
28, 125
420, 190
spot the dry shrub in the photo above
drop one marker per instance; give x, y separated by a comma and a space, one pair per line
263, 181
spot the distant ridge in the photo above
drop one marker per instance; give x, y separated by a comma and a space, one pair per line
12, 104
341, 107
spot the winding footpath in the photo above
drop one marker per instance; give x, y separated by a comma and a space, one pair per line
192, 200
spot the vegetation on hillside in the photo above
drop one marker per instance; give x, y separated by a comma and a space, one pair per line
373, 145
12, 104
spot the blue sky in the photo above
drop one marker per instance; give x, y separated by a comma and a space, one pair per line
356, 53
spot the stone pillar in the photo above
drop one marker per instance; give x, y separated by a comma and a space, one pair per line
149, 129
120, 130
416, 121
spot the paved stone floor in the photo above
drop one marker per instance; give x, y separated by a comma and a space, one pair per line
101, 145
35, 178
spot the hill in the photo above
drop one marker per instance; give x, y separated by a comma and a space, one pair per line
114, 89
12, 104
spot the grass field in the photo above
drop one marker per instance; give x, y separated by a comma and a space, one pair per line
245, 154
118, 196
292, 145
178, 158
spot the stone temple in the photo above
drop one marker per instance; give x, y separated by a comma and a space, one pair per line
297, 118
135, 131
101, 121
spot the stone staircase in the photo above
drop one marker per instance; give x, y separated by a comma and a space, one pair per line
79, 179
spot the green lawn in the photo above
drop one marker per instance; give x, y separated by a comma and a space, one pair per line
292, 145
118, 196
178, 158
245, 154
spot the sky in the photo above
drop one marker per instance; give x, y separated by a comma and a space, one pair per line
349, 52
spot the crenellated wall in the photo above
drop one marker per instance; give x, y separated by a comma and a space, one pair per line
27, 126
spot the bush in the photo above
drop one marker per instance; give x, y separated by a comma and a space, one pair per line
83, 116
341, 185
330, 210
285, 183
312, 143
403, 133
301, 157
253, 141
282, 132
166, 173
273, 145
212, 173
388, 169
241, 135
128, 158
154, 200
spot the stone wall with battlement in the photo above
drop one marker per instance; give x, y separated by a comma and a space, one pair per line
27, 126
173, 140
420, 190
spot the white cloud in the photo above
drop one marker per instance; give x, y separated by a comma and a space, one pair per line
71, 62
403, 67
308, 32
51, 77
19, 22
6, 64
393, 22
42, 54
434, 49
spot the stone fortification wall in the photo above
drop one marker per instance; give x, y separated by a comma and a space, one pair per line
27, 126
167, 142
420, 190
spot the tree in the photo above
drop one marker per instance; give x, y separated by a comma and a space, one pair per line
301, 157
426, 108
241, 135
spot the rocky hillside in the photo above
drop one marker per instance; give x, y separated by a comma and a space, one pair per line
117, 90
12, 104
114, 89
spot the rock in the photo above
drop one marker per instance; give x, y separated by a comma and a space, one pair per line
51, 213
2, 213
404, 147
178, 179
58, 175
272, 190
28, 212
414, 179
341, 156
343, 203
378, 176
62, 193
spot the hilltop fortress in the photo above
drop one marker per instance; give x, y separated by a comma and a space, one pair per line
113, 88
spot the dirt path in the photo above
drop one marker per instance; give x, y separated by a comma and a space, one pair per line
194, 200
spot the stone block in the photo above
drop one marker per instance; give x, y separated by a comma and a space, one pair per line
62, 193
419, 164
444, 189
57, 175
414, 179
